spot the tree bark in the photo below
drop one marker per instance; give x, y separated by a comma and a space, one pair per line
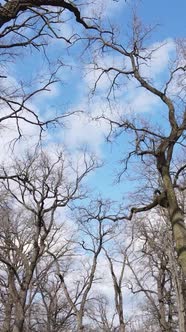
12, 8
160, 288
79, 318
122, 327
8, 315
177, 281
176, 215
19, 318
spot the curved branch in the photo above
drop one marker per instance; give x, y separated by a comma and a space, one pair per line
12, 8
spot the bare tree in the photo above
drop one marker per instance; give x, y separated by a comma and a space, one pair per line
118, 258
95, 234
54, 313
154, 275
30, 26
11, 10
100, 315
150, 143
39, 186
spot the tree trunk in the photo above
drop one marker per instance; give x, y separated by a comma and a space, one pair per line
176, 218
122, 327
119, 308
184, 298
19, 318
8, 314
177, 281
162, 315
80, 327
179, 232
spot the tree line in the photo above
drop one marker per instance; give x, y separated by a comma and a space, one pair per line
56, 238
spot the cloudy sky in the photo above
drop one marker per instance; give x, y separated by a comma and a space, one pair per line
74, 92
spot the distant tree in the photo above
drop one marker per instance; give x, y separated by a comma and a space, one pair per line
94, 233
100, 315
36, 186
153, 275
42, 290
118, 261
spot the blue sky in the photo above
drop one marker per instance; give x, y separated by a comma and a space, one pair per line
169, 14
71, 93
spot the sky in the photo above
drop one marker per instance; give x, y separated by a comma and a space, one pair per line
168, 14
73, 93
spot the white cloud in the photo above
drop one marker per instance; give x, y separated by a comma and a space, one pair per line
128, 97
158, 56
93, 73
88, 129
83, 130
102, 8
10, 144
143, 102
161, 53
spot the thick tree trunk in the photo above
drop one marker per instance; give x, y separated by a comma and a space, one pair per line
19, 319
20, 311
179, 232
184, 297
177, 281
176, 216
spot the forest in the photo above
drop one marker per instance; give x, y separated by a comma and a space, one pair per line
92, 167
